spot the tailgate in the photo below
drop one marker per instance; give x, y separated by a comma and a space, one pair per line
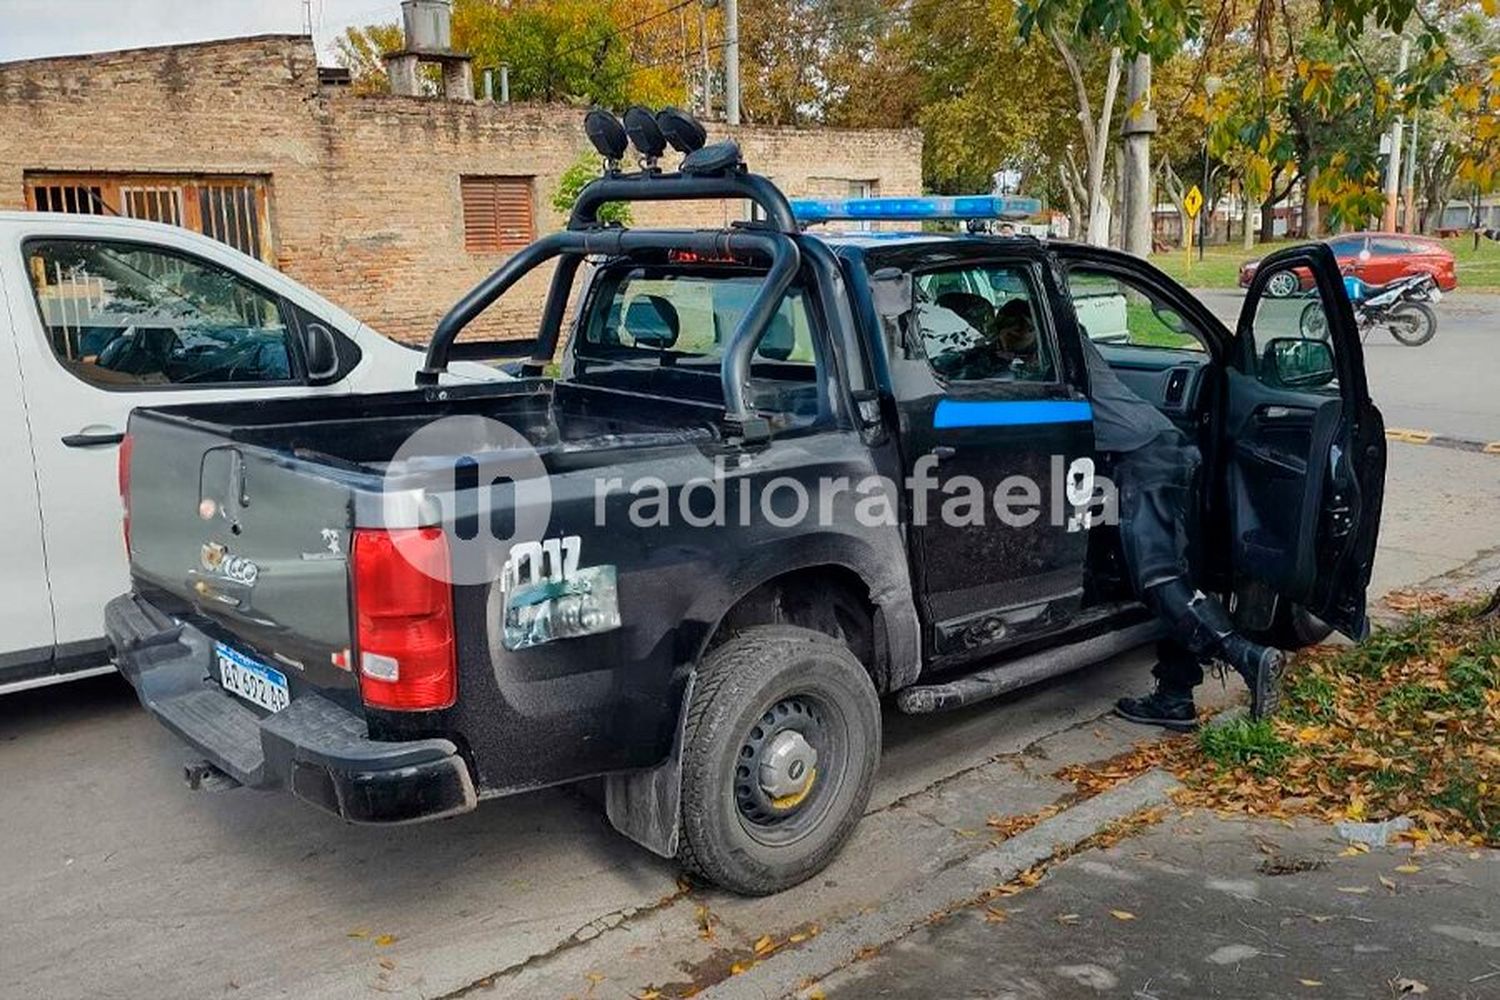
253, 539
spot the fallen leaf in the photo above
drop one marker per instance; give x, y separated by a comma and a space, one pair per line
1388, 883
763, 944
1311, 982
386, 963
1408, 869
817, 994
739, 967
706, 921
1122, 914
594, 978
386, 940
648, 994
1355, 889
359, 932
1067, 919
995, 915
1408, 987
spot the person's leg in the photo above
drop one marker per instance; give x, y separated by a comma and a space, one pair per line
1201, 624
1178, 670
1155, 485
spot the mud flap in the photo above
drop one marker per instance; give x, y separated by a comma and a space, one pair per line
645, 805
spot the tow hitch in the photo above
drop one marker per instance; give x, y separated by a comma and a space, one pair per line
200, 774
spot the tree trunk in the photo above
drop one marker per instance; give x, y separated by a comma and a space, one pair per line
1267, 222
1312, 210
1172, 185
1248, 241
1095, 131
1099, 198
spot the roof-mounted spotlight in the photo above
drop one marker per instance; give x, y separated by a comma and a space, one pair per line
640, 125
719, 158
681, 129
607, 134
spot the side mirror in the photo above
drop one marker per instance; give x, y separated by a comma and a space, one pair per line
1300, 363
322, 352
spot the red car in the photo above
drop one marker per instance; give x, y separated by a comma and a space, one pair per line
1374, 258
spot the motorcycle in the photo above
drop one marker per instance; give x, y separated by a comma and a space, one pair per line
1402, 306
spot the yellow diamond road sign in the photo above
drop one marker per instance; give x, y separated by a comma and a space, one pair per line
1192, 202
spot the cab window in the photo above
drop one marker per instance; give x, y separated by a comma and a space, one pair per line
126, 316
650, 314
981, 323
1114, 310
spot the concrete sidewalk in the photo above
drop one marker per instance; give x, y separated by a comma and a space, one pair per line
1202, 907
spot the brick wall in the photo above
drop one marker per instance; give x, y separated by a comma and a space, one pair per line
364, 199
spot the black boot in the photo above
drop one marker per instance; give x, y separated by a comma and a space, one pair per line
1261, 667
1201, 624
1168, 707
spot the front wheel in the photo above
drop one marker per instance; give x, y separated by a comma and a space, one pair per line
1412, 323
1294, 627
1314, 321
778, 758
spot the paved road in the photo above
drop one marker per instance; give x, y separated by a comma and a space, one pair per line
116, 881
1447, 385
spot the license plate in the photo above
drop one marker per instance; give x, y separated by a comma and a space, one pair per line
255, 682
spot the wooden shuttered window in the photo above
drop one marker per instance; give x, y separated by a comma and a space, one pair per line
499, 215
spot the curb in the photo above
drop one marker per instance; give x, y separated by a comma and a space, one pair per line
786, 972
1408, 436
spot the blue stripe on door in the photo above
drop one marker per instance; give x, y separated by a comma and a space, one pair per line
1009, 413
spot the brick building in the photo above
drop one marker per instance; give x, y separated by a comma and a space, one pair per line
390, 206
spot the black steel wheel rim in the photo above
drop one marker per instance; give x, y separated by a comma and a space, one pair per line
822, 725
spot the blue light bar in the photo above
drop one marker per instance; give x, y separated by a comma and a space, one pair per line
974, 206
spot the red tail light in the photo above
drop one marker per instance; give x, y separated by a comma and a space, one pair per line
403, 608
122, 475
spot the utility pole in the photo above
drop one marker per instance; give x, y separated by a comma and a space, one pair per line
708, 73
1393, 165
732, 61
1139, 125
1411, 178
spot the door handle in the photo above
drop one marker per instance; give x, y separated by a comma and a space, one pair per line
93, 438
943, 451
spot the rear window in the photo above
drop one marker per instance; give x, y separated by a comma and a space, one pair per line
650, 314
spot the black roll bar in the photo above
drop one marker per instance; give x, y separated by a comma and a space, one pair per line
574, 245
732, 183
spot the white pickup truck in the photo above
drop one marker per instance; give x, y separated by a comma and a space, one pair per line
102, 315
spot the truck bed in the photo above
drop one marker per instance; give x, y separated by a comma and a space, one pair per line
364, 433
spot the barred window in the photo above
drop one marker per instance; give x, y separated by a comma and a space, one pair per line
231, 209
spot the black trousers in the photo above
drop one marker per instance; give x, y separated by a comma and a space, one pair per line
1155, 489
1178, 668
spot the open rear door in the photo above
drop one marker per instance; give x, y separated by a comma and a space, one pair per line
1305, 458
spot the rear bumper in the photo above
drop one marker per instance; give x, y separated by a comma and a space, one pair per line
315, 748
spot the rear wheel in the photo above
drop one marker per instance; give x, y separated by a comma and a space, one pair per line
1283, 284
778, 758
1412, 323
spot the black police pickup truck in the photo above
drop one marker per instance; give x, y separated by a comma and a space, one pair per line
782, 475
